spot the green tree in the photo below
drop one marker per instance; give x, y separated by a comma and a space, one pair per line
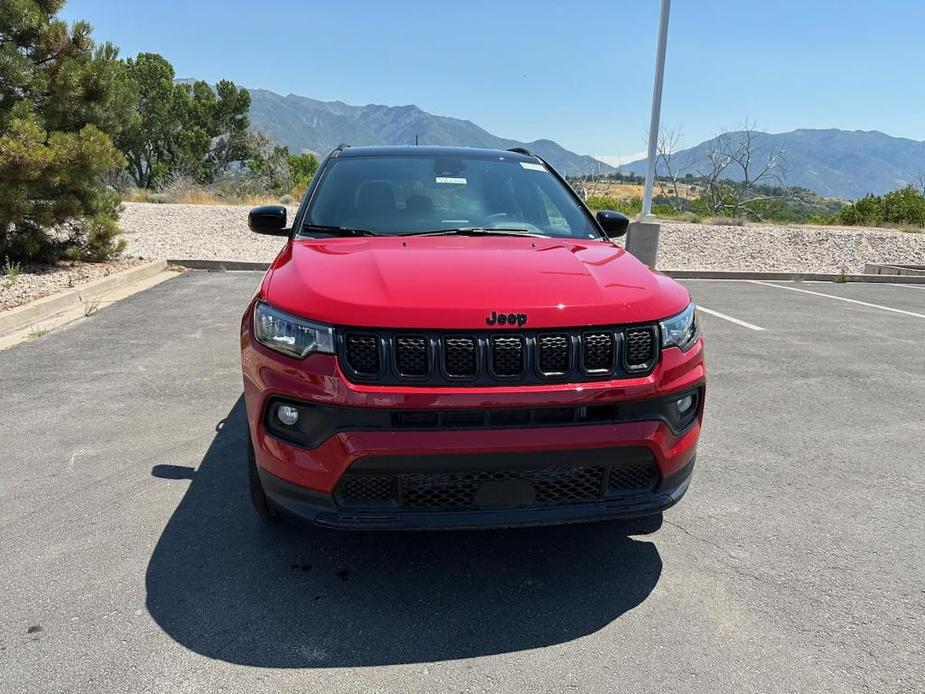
301, 169
57, 99
187, 129
276, 170
269, 164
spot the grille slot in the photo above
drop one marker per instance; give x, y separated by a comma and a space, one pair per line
640, 348
460, 357
411, 355
363, 354
507, 355
554, 353
369, 490
632, 478
598, 354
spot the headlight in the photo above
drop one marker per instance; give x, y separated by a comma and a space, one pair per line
681, 330
293, 336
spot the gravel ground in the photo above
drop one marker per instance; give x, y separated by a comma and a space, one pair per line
203, 232
766, 248
36, 281
219, 232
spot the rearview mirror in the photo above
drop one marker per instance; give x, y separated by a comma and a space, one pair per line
613, 223
268, 219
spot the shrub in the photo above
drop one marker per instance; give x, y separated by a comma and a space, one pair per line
728, 221
102, 239
905, 206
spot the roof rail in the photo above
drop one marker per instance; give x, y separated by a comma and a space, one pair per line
337, 150
522, 150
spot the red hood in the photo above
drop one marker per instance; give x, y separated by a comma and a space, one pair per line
456, 282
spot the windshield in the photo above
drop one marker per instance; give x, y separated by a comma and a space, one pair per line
404, 194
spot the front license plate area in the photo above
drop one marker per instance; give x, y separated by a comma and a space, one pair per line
505, 494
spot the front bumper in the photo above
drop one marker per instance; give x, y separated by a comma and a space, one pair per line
321, 509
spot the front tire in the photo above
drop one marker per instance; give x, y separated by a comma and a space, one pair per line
258, 497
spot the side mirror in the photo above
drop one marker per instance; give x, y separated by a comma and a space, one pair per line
269, 220
613, 223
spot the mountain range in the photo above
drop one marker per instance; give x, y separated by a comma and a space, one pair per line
304, 124
844, 164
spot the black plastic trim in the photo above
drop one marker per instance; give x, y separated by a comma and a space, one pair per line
319, 508
318, 422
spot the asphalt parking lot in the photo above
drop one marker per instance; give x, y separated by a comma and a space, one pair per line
130, 560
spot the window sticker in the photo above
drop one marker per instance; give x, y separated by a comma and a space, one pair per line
451, 179
532, 166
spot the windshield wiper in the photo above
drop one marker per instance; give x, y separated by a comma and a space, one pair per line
338, 231
475, 231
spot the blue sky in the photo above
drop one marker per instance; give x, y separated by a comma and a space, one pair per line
578, 73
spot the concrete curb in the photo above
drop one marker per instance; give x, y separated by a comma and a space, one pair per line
894, 270
790, 276
41, 309
218, 265
238, 265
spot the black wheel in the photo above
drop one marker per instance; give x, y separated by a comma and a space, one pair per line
258, 498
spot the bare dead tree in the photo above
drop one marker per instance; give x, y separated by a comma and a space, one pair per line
590, 182
920, 179
666, 160
738, 170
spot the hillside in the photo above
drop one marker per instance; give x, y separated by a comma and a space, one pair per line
845, 164
303, 124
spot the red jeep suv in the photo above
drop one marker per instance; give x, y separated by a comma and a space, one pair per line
449, 338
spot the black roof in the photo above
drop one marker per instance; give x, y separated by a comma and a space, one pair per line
431, 151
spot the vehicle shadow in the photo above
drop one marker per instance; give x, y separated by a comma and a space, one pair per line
229, 586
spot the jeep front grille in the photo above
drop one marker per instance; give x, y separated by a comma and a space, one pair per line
492, 358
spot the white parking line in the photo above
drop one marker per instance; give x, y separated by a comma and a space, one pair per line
750, 326
841, 298
920, 287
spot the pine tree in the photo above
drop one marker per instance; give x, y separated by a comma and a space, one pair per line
60, 99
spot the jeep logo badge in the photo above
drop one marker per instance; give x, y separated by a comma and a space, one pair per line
506, 319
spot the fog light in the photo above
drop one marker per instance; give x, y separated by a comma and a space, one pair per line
287, 414
685, 403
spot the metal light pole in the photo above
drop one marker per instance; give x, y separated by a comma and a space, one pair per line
642, 239
646, 214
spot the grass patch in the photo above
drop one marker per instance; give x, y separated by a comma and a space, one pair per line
201, 196
727, 221
91, 306
11, 270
